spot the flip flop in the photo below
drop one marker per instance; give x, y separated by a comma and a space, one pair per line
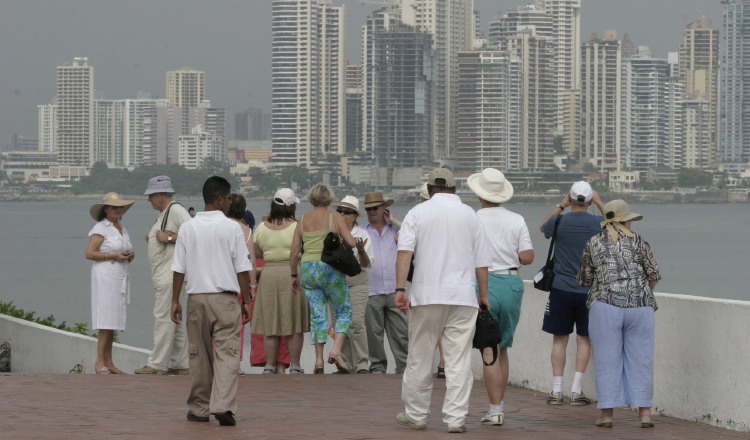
103, 370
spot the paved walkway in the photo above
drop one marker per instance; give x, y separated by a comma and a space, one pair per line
39, 406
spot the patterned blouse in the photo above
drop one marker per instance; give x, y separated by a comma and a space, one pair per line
618, 272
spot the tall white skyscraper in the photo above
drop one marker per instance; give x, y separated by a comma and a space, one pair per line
74, 123
489, 110
309, 73
451, 24
603, 101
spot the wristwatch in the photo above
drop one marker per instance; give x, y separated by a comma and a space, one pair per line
562, 208
170, 237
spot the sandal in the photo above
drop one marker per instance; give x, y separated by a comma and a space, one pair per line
270, 369
103, 370
296, 369
335, 358
318, 370
116, 371
440, 373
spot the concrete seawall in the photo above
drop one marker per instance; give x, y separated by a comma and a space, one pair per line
701, 362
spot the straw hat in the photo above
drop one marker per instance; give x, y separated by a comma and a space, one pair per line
350, 202
376, 199
491, 185
110, 199
619, 211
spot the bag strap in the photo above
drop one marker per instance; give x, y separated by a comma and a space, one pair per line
301, 228
166, 216
331, 222
552, 242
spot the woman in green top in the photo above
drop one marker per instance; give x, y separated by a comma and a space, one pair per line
322, 283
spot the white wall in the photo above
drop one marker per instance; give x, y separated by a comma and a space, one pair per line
701, 363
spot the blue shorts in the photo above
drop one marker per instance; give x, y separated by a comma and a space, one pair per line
506, 294
565, 310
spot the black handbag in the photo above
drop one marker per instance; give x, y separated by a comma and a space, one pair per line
543, 279
339, 255
487, 334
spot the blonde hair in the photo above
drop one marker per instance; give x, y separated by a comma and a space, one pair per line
320, 195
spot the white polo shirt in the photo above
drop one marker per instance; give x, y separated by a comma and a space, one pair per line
449, 243
507, 235
211, 251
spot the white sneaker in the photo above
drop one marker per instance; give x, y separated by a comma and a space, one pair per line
403, 419
457, 429
493, 419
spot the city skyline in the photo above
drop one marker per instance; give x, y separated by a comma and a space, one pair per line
233, 45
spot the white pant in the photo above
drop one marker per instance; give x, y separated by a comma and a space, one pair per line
170, 339
454, 327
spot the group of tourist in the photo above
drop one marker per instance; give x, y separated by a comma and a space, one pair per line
422, 281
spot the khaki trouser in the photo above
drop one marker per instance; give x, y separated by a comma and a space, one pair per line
170, 340
382, 316
213, 317
355, 349
454, 327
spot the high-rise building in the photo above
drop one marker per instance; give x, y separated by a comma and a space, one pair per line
525, 17
47, 122
353, 140
74, 127
734, 80
197, 146
603, 101
398, 93
451, 25
308, 79
186, 87
107, 144
698, 71
489, 110
253, 124
653, 124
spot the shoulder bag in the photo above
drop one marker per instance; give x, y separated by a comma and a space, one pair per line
338, 254
543, 279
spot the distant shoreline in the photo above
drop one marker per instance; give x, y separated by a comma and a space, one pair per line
703, 197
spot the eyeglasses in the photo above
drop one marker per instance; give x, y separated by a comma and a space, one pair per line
345, 212
372, 208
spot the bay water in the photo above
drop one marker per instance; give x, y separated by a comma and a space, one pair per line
701, 249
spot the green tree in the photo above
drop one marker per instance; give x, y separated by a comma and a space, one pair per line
692, 178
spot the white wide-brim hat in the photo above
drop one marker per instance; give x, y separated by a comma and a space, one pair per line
491, 185
110, 199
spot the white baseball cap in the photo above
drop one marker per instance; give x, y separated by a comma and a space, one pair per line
285, 196
581, 192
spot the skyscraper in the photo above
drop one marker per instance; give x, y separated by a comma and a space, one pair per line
354, 119
47, 122
602, 103
308, 65
186, 87
734, 80
489, 110
398, 94
698, 71
74, 123
451, 25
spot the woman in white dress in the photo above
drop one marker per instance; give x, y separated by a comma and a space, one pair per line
111, 251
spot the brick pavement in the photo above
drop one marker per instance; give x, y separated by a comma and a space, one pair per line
58, 406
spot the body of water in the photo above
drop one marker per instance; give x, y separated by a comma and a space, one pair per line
701, 249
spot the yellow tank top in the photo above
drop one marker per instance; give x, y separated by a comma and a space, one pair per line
312, 242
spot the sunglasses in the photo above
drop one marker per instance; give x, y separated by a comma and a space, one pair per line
345, 212
372, 208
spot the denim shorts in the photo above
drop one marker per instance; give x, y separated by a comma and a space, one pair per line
565, 310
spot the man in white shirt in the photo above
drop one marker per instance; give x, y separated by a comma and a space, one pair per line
510, 243
452, 260
211, 251
169, 355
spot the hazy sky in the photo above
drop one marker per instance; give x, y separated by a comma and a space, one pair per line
132, 43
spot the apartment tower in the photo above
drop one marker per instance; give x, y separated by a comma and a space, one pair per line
74, 127
734, 80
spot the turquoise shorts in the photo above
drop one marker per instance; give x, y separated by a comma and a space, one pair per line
506, 294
